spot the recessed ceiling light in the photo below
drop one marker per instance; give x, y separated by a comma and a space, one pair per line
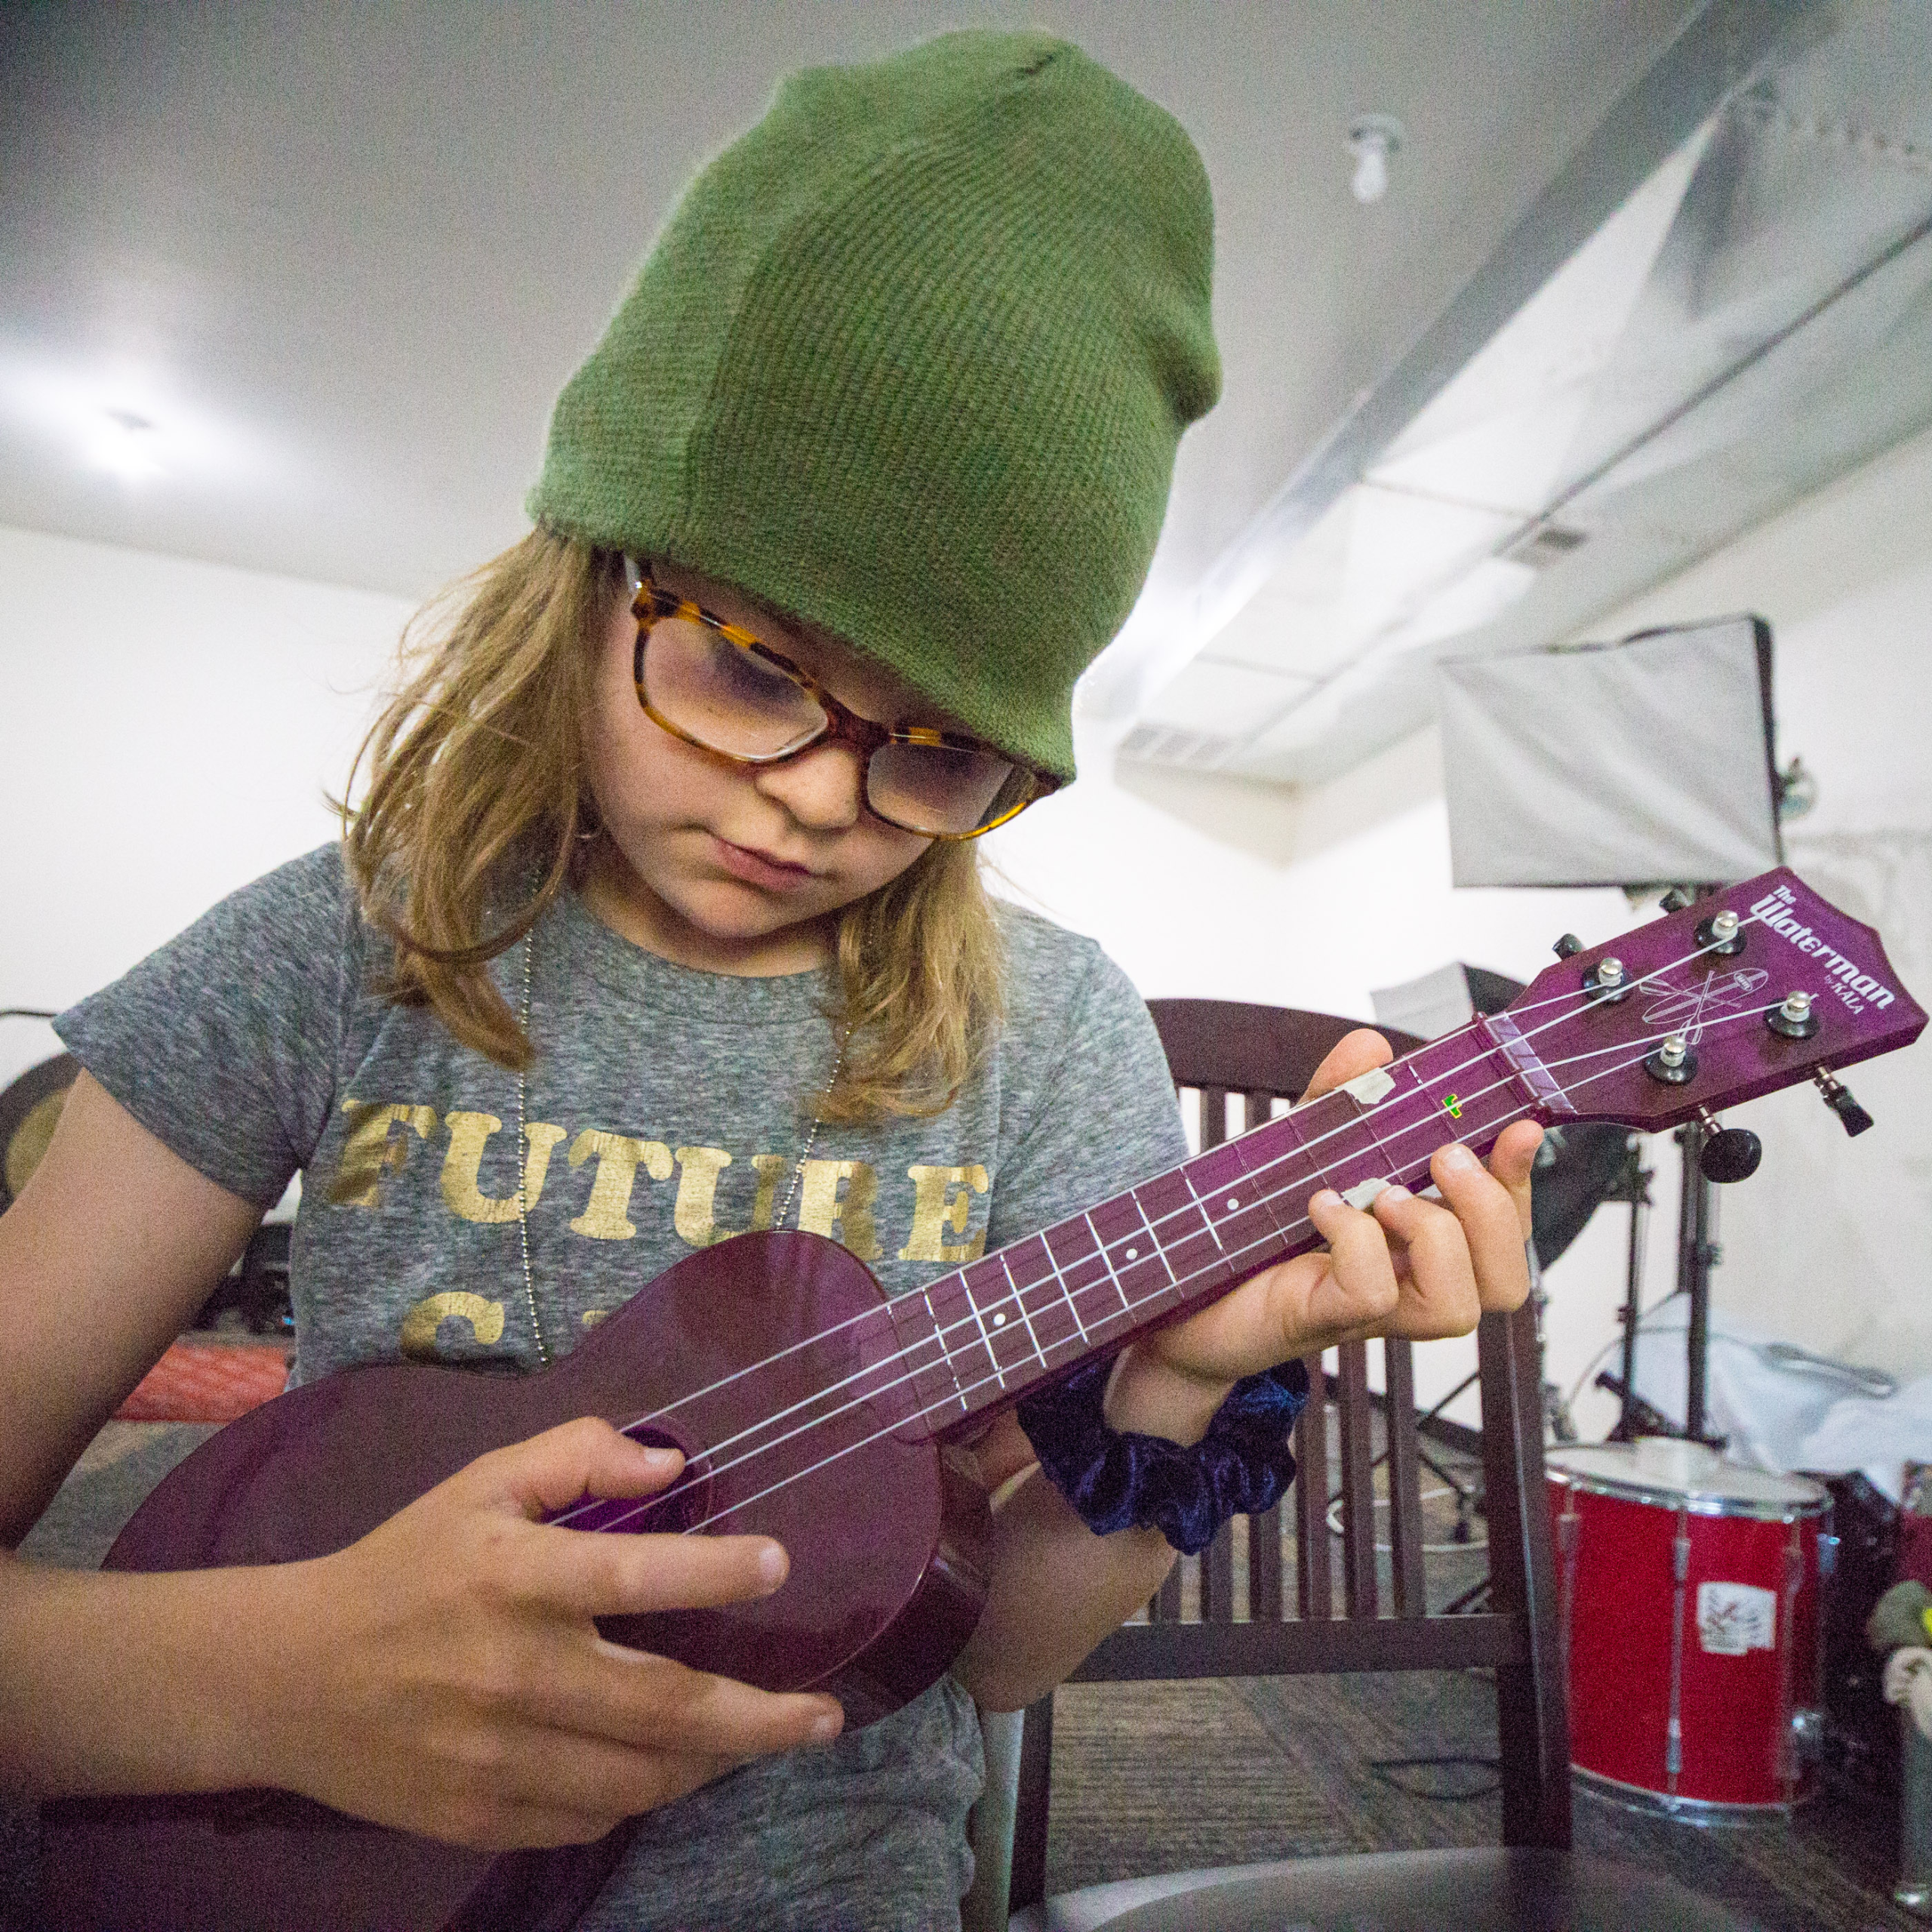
125, 443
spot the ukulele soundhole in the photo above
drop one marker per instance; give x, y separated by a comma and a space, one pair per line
681, 1507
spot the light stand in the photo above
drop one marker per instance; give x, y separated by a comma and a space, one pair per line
1648, 760
1696, 1252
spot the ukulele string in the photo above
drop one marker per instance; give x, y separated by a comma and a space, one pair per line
888, 1362
1655, 972
920, 1415
938, 1337
1584, 998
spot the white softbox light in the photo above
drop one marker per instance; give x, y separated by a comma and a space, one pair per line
1637, 763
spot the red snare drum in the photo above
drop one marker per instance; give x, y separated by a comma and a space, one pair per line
1690, 1627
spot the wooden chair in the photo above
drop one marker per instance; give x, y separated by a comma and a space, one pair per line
1222, 1048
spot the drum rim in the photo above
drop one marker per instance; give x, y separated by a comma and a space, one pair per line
1708, 1812
1694, 1502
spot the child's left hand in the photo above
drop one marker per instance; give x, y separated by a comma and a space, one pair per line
1407, 1266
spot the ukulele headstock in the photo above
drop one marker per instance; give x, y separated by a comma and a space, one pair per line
1764, 985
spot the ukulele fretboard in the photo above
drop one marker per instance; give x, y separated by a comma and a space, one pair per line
980, 1337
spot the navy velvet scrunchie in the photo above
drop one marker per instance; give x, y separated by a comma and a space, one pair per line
1119, 1480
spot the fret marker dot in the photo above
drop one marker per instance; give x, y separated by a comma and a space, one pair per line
1132, 1253
999, 1321
1232, 1202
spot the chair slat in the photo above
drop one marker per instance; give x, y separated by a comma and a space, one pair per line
1405, 1479
1217, 1577
1264, 1531
1264, 1567
1314, 1595
1533, 1722
1357, 1482
1165, 1608
1028, 1883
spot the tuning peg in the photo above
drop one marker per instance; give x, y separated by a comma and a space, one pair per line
1674, 1062
1794, 1019
1729, 1153
1606, 982
1674, 900
1720, 934
1567, 945
1854, 1118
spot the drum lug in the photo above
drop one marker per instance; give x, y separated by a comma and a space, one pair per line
1680, 1568
1807, 1734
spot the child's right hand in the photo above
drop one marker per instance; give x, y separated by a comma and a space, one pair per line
444, 1675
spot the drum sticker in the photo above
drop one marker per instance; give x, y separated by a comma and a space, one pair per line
1735, 1618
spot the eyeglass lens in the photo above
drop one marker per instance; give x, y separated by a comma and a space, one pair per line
729, 700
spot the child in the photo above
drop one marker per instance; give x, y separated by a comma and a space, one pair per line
645, 933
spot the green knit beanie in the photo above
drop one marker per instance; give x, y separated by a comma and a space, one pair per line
911, 361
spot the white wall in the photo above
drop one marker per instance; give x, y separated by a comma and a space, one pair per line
170, 729
1221, 889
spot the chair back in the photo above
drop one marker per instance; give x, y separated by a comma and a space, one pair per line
1228, 1051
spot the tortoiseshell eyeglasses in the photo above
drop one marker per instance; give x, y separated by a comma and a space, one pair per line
716, 686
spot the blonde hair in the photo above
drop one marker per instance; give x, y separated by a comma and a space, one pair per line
477, 783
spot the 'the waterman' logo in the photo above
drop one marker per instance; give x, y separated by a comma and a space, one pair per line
1857, 989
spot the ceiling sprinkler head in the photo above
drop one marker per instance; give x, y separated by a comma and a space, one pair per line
1373, 138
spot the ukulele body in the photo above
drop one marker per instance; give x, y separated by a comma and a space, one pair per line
886, 1534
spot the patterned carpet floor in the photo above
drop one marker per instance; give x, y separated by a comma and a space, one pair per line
1164, 1777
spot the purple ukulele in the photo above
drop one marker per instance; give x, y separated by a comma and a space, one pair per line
824, 1416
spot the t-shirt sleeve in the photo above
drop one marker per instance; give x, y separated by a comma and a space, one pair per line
1100, 1113
223, 1043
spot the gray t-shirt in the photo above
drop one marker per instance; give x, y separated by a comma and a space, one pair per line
663, 1114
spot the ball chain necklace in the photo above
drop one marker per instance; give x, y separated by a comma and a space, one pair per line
523, 1153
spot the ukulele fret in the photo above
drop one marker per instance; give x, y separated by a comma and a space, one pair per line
988, 1299
1463, 1088
1043, 1291
1019, 1301
1193, 1256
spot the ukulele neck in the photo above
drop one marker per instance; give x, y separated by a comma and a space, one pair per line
977, 1339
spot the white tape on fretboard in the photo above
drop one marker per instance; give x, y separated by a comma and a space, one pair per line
1363, 1194
1370, 1087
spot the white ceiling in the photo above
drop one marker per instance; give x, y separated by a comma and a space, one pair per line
1725, 302
341, 257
